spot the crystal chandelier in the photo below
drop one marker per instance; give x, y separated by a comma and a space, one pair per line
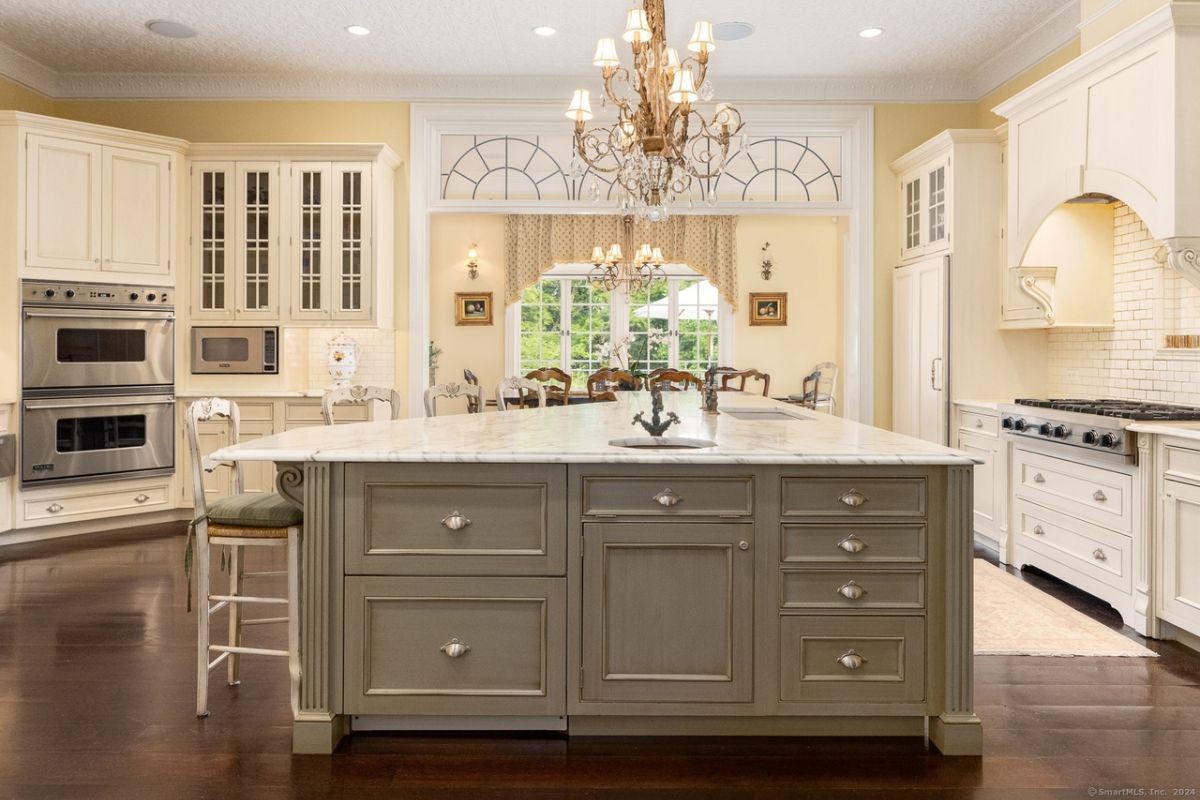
613, 271
660, 143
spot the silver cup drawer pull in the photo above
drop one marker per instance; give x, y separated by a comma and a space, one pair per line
851, 660
853, 498
54, 508
667, 498
1099, 555
1099, 496
1039, 530
455, 649
852, 544
455, 521
851, 590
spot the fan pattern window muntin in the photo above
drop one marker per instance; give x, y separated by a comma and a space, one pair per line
773, 169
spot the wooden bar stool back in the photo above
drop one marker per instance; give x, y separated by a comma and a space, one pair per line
603, 384
728, 376
672, 380
555, 395
237, 521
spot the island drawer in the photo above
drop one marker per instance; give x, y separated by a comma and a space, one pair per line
852, 588
852, 543
853, 496
668, 495
851, 659
455, 646
455, 519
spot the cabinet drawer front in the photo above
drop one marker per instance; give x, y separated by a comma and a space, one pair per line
455, 519
982, 424
852, 588
854, 497
818, 664
1098, 495
1181, 463
73, 506
677, 496
256, 412
455, 645
310, 413
1100, 554
853, 543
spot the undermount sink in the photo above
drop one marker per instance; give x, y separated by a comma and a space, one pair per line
662, 443
762, 416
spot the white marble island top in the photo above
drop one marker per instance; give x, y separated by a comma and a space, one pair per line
749, 430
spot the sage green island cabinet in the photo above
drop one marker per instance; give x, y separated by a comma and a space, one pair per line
802, 575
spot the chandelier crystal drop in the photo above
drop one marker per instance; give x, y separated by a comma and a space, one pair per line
660, 143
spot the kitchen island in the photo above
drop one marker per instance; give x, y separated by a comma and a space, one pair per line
800, 575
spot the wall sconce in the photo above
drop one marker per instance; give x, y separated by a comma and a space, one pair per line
768, 262
473, 262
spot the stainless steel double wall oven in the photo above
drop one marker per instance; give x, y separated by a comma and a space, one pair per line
97, 379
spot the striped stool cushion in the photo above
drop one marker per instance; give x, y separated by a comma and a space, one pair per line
254, 511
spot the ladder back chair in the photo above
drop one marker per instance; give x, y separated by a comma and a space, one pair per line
728, 376
672, 380
524, 388
237, 521
603, 384
472, 394
356, 395
555, 395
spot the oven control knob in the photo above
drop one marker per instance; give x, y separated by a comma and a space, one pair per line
1020, 424
1061, 431
151, 297
1089, 437
1045, 429
1109, 440
50, 293
1006, 423
70, 293
133, 295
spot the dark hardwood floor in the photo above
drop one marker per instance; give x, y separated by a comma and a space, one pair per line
97, 699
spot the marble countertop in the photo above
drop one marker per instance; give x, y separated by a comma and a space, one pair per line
1183, 430
993, 405
749, 430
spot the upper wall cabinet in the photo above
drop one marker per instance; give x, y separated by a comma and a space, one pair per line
924, 192
284, 238
92, 206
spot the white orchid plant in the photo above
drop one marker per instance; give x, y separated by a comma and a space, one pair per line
619, 349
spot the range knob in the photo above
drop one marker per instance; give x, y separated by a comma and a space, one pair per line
50, 293
151, 297
1006, 423
1061, 431
133, 295
1045, 429
1020, 424
1089, 437
1109, 440
70, 293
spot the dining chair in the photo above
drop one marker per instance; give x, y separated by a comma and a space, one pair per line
603, 384
523, 387
672, 380
472, 394
819, 388
555, 395
356, 395
472, 380
240, 520
729, 375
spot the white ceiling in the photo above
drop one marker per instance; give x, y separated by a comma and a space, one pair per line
102, 48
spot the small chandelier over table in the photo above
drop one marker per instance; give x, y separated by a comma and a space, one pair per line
613, 270
660, 143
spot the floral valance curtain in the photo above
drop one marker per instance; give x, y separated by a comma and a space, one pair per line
534, 243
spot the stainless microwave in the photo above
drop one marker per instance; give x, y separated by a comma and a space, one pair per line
240, 350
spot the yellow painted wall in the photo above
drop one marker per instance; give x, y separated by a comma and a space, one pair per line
986, 119
15, 97
1114, 20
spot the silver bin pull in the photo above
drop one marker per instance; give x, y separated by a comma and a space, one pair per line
455, 521
851, 660
455, 649
667, 498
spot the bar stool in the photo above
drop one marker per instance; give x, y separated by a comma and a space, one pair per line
355, 395
240, 520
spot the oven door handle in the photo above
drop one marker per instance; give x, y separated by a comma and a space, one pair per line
50, 405
116, 316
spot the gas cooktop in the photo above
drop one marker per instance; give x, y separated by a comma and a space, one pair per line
1123, 409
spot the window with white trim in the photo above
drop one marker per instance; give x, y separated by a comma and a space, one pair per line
566, 322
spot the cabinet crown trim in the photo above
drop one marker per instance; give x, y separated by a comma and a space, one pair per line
99, 134
941, 144
263, 151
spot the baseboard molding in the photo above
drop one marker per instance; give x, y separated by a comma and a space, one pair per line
395, 722
99, 525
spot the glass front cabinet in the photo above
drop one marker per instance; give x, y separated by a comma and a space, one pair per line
291, 241
925, 212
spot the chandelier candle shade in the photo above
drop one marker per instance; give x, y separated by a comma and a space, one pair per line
613, 271
660, 144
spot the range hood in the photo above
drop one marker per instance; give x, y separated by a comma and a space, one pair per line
1120, 121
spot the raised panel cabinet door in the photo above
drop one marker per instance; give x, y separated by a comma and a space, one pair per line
212, 251
932, 366
137, 211
63, 203
905, 373
212, 436
353, 287
986, 506
668, 612
258, 477
310, 259
257, 205
1181, 555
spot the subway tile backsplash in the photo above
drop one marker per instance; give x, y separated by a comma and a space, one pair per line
376, 359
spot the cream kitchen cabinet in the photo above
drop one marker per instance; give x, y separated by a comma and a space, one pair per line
94, 206
924, 192
979, 434
1178, 532
292, 234
920, 349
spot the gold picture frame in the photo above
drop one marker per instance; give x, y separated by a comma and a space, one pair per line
768, 308
472, 308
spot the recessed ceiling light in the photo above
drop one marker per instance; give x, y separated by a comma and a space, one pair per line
172, 30
357, 30
870, 33
732, 31
544, 30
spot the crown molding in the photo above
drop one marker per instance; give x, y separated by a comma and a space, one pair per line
1056, 31
940, 144
18, 67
